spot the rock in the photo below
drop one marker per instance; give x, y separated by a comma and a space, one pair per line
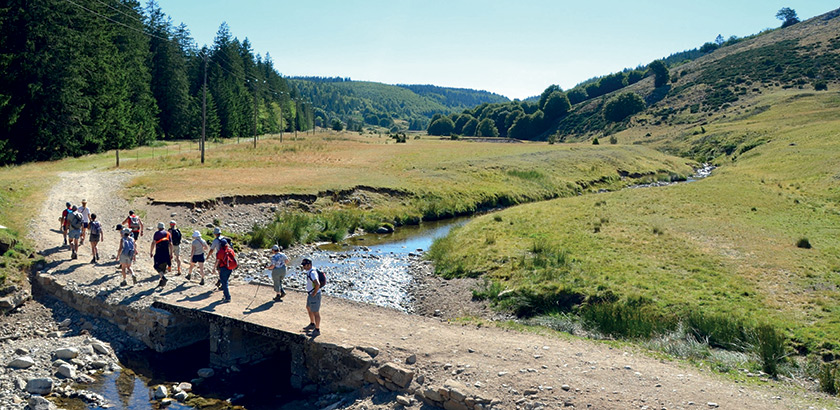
40, 403
161, 392
22, 362
206, 373
405, 401
399, 376
565, 387
65, 323
98, 364
84, 379
100, 348
67, 371
181, 396
21, 351
712, 404
411, 359
66, 353
187, 387
371, 351
457, 391
40, 385
55, 334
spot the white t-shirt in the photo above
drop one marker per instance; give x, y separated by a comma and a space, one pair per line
85, 211
278, 260
312, 276
216, 245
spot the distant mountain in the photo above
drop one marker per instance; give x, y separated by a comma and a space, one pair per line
356, 103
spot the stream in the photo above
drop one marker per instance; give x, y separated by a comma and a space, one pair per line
372, 268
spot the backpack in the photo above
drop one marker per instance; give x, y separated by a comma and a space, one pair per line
230, 259
134, 222
76, 220
95, 228
176, 236
128, 246
322, 278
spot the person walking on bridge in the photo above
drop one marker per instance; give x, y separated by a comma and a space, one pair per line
161, 251
226, 263
198, 247
278, 271
175, 234
313, 298
215, 247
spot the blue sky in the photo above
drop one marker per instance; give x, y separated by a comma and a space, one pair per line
513, 48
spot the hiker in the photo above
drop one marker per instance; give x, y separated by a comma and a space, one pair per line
161, 252
96, 236
198, 246
313, 298
75, 231
85, 211
277, 265
65, 223
226, 263
175, 234
215, 246
135, 224
126, 254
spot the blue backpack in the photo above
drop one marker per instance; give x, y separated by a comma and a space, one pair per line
128, 246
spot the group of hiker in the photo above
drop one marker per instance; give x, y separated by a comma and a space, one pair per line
165, 249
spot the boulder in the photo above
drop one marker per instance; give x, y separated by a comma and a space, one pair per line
181, 396
187, 387
101, 348
371, 351
22, 362
40, 403
40, 385
206, 373
161, 392
66, 371
66, 353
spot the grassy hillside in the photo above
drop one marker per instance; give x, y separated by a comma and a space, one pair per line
725, 247
360, 103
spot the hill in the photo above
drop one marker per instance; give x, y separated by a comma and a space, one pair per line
408, 107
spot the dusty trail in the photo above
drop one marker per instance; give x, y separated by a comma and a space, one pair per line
517, 368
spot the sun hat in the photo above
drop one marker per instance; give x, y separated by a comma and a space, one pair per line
275, 248
161, 225
84, 201
172, 222
305, 261
217, 231
196, 234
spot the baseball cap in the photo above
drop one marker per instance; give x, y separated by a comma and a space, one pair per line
275, 248
305, 261
196, 234
126, 231
161, 225
217, 231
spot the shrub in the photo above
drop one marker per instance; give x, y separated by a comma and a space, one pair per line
631, 319
803, 243
820, 85
828, 378
770, 346
719, 330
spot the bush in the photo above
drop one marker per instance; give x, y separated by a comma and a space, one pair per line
770, 344
803, 243
820, 86
828, 378
719, 330
622, 106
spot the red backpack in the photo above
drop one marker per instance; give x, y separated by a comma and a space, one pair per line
230, 259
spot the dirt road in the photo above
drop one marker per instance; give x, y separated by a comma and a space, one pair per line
524, 370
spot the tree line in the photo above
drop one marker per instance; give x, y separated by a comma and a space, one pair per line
84, 76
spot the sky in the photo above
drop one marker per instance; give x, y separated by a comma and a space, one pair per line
515, 48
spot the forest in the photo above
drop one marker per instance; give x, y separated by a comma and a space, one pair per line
85, 76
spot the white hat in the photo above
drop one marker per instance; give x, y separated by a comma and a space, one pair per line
172, 222
160, 225
275, 248
196, 234
217, 231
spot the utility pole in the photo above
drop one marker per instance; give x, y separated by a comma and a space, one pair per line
255, 113
204, 110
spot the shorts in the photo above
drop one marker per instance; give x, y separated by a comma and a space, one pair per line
176, 250
160, 267
135, 234
94, 238
198, 258
125, 259
313, 302
85, 225
74, 233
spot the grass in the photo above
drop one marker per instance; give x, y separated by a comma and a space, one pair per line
718, 254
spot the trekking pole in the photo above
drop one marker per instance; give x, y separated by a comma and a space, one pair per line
255, 293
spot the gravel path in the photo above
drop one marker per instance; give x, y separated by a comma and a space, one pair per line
524, 370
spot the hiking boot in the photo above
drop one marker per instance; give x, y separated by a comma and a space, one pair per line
315, 332
218, 285
309, 327
224, 300
134, 278
123, 283
187, 277
162, 282
282, 294
65, 242
73, 256
202, 282
278, 298
93, 260
97, 256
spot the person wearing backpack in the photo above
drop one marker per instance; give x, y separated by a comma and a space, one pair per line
85, 211
134, 224
226, 263
75, 231
161, 252
175, 234
65, 221
126, 255
313, 297
96, 235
